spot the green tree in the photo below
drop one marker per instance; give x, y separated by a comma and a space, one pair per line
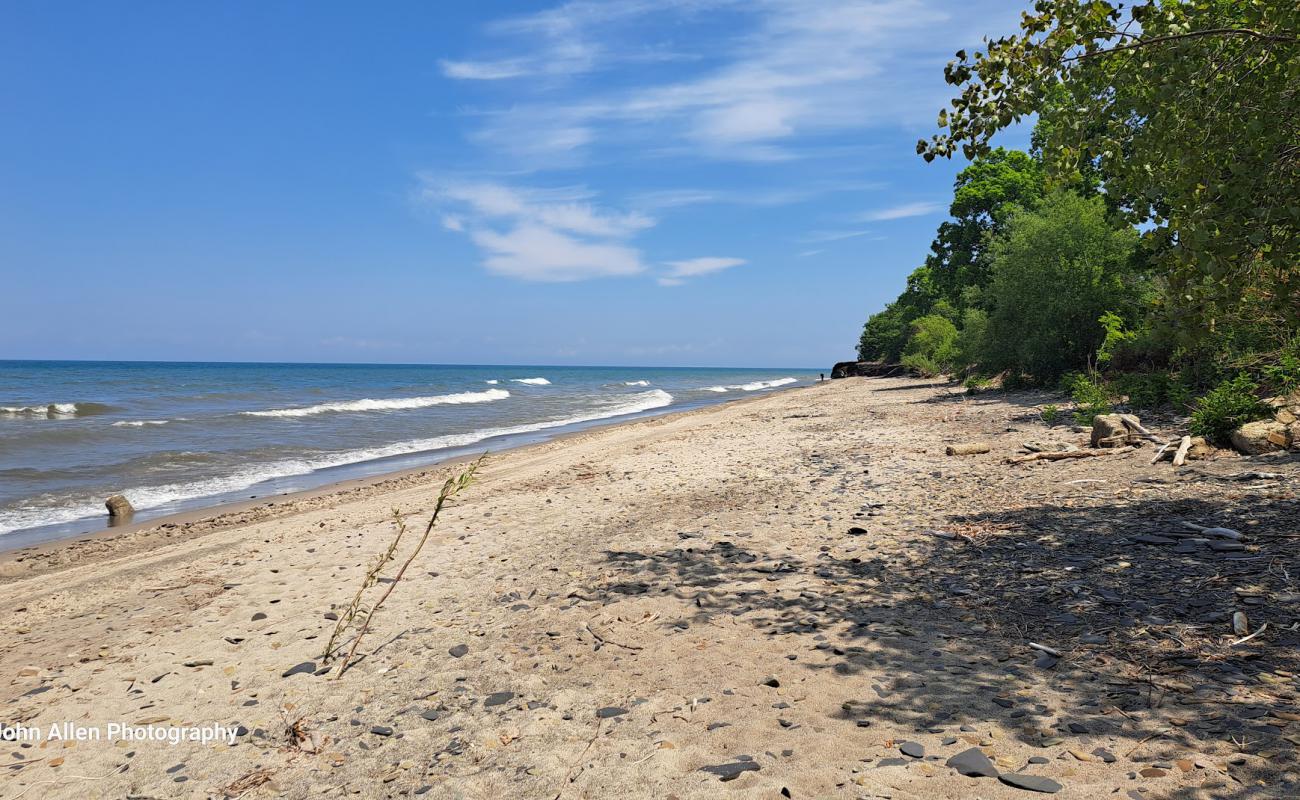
885, 333
984, 195
1056, 272
1185, 109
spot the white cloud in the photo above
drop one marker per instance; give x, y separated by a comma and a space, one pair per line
538, 253
902, 211
679, 271
782, 71
483, 70
540, 234
820, 237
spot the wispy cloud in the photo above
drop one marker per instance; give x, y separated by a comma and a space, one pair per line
786, 69
820, 237
662, 199
902, 211
484, 70
540, 234
679, 271
556, 234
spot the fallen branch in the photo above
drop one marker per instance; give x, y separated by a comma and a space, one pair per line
970, 449
1059, 456
1184, 446
603, 640
1244, 639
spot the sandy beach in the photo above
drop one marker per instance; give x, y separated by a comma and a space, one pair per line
796, 595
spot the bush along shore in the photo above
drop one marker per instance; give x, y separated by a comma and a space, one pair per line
1144, 251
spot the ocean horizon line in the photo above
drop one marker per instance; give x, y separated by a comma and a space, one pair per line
202, 362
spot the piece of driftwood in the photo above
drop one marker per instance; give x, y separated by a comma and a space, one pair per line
1162, 452
1184, 446
968, 449
1068, 454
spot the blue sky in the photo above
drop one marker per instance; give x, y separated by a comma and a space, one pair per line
689, 182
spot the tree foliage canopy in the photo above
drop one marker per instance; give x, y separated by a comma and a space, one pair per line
1056, 271
1186, 111
983, 196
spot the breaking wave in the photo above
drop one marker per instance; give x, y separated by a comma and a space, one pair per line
751, 387
531, 381
54, 410
138, 423
147, 497
391, 404
636, 383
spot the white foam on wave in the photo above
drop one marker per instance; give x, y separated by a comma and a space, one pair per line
154, 496
138, 423
636, 383
492, 382
531, 381
391, 404
50, 410
751, 387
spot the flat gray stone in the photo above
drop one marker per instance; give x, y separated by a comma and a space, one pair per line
1030, 783
498, 698
729, 772
973, 763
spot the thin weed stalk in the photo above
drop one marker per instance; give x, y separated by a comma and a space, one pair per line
450, 489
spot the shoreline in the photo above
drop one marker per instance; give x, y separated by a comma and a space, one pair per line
137, 536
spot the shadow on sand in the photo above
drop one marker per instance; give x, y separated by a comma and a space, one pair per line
940, 629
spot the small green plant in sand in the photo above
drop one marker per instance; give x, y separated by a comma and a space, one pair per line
1091, 397
1229, 405
356, 614
1050, 413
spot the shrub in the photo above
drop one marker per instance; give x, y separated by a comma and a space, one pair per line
972, 342
1056, 271
1227, 407
1283, 376
1050, 413
1091, 397
932, 345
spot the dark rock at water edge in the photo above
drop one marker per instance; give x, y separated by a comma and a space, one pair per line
119, 507
865, 369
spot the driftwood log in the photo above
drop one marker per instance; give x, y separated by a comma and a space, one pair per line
1062, 455
968, 449
1184, 446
